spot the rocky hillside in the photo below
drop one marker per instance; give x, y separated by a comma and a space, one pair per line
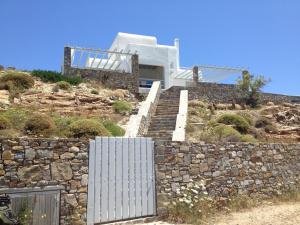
87, 100
225, 122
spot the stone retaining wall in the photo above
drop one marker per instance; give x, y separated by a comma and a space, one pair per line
43, 162
229, 168
224, 93
110, 79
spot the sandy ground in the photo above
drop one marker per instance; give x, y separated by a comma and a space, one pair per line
282, 214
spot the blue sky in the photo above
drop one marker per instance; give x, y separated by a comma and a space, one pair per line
261, 35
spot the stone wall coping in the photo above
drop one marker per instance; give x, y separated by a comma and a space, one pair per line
44, 139
163, 142
181, 119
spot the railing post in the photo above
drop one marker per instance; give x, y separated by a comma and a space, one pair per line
67, 60
135, 69
195, 74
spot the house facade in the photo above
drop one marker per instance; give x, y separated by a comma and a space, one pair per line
154, 62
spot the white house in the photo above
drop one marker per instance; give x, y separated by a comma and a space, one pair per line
156, 62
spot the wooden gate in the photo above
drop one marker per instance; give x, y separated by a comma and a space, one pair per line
121, 179
38, 206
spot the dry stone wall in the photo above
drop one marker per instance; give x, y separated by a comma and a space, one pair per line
228, 168
43, 162
224, 93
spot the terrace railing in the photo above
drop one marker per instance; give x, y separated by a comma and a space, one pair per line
87, 58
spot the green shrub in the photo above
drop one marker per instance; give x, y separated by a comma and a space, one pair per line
271, 129
88, 128
63, 85
94, 92
39, 124
224, 131
262, 122
4, 123
62, 124
248, 138
246, 116
113, 128
53, 77
16, 116
122, 106
18, 80
16, 83
237, 121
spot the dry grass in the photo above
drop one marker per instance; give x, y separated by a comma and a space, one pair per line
206, 210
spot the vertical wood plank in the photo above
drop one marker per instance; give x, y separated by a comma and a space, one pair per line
104, 180
125, 180
138, 186
92, 194
97, 180
112, 179
36, 211
56, 211
144, 176
150, 176
119, 178
131, 165
153, 179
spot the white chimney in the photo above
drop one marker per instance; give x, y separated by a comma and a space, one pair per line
176, 44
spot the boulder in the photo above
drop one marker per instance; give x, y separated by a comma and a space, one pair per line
61, 171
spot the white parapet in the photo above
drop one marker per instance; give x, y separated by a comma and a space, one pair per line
138, 124
181, 120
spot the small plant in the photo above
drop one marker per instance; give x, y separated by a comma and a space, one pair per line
193, 205
88, 128
16, 83
271, 129
55, 88
4, 123
54, 77
63, 85
122, 107
25, 216
248, 138
39, 124
113, 128
94, 92
225, 132
250, 87
246, 116
262, 122
17, 116
197, 103
238, 122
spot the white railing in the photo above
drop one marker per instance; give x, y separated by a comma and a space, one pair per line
87, 58
181, 120
138, 124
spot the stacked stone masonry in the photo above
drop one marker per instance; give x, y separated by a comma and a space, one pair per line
228, 168
43, 162
224, 93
